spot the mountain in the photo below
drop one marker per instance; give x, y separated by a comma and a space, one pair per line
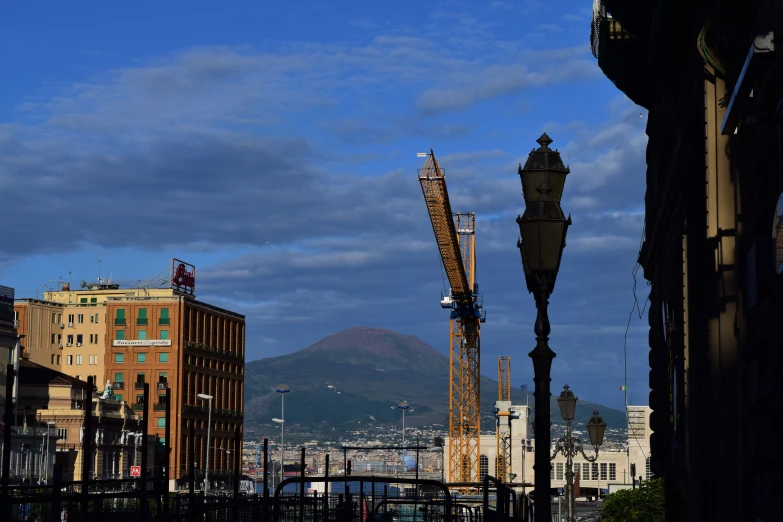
360, 374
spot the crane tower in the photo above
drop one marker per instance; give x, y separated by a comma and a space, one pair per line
455, 236
504, 416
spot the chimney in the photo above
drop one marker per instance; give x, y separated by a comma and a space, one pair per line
66, 287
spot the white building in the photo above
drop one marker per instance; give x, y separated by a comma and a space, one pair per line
612, 467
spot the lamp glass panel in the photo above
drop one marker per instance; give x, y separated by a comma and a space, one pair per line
567, 403
531, 239
531, 179
556, 182
551, 234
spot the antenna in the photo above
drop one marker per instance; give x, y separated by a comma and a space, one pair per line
83, 283
99, 270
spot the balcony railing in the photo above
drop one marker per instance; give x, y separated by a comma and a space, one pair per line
141, 321
162, 385
213, 350
138, 386
164, 321
137, 406
119, 321
119, 385
159, 407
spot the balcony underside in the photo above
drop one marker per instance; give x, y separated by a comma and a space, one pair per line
623, 59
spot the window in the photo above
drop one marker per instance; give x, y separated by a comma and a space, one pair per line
142, 335
164, 334
83, 300
647, 469
595, 471
119, 357
603, 471
120, 335
551, 472
80, 318
163, 357
79, 338
52, 358
161, 422
585, 471
62, 433
54, 338
92, 318
559, 473
54, 317
69, 339
119, 320
93, 359
612, 471
79, 377
164, 317
140, 377
139, 399
142, 319
163, 377
70, 319
69, 360
118, 396
118, 377
483, 467
141, 357
94, 301
59, 358
79, 359
162, 399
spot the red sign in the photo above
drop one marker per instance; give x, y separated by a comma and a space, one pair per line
135, 471
183, 276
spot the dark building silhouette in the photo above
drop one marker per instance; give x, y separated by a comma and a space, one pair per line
710, 74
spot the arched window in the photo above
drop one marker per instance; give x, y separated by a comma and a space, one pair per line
483, 467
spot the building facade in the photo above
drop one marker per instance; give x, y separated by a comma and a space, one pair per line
163, 337
613, 467
713, 251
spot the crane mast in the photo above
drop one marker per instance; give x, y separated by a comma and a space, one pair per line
455, 236
503, 415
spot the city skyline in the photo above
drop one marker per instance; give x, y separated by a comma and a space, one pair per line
277, 153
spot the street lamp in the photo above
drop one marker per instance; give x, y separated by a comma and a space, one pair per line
205, 397
542, 230
571, 446
282, 390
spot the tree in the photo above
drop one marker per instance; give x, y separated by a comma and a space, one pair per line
645, 504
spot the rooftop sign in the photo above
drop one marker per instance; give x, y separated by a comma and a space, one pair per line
183, 276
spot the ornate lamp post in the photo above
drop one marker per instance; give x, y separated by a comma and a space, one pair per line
542, 230
571, 446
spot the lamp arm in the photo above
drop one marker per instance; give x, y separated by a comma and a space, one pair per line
559, 446
580, 448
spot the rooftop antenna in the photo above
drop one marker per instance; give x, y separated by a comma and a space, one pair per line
99, 270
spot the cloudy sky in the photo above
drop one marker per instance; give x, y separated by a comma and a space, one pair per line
135, 132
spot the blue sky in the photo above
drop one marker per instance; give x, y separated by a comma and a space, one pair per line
201, 130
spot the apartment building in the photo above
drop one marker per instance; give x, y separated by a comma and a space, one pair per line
161, 336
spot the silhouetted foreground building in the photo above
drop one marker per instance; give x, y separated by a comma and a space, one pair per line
710, 74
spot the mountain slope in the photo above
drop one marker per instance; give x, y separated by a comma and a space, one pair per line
360, 374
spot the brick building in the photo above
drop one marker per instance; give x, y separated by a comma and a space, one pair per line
161, 336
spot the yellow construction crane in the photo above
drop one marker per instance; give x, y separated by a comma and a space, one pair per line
504, 415
456, 240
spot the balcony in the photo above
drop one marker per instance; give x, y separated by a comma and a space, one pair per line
622, 50
119, 321
137, 406
119, 385
164, 321
141, 321
159, 407
162, 385
138, 386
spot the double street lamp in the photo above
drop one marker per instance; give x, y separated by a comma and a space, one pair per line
571, 446
205, 397
282, 390
542, 230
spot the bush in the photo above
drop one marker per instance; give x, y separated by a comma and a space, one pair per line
644, 504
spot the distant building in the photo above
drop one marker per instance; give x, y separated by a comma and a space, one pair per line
612, 467
161, 336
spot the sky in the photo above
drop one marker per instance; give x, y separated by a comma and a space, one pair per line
273, 145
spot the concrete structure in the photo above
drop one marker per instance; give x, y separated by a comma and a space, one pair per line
164, 337
612, 467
